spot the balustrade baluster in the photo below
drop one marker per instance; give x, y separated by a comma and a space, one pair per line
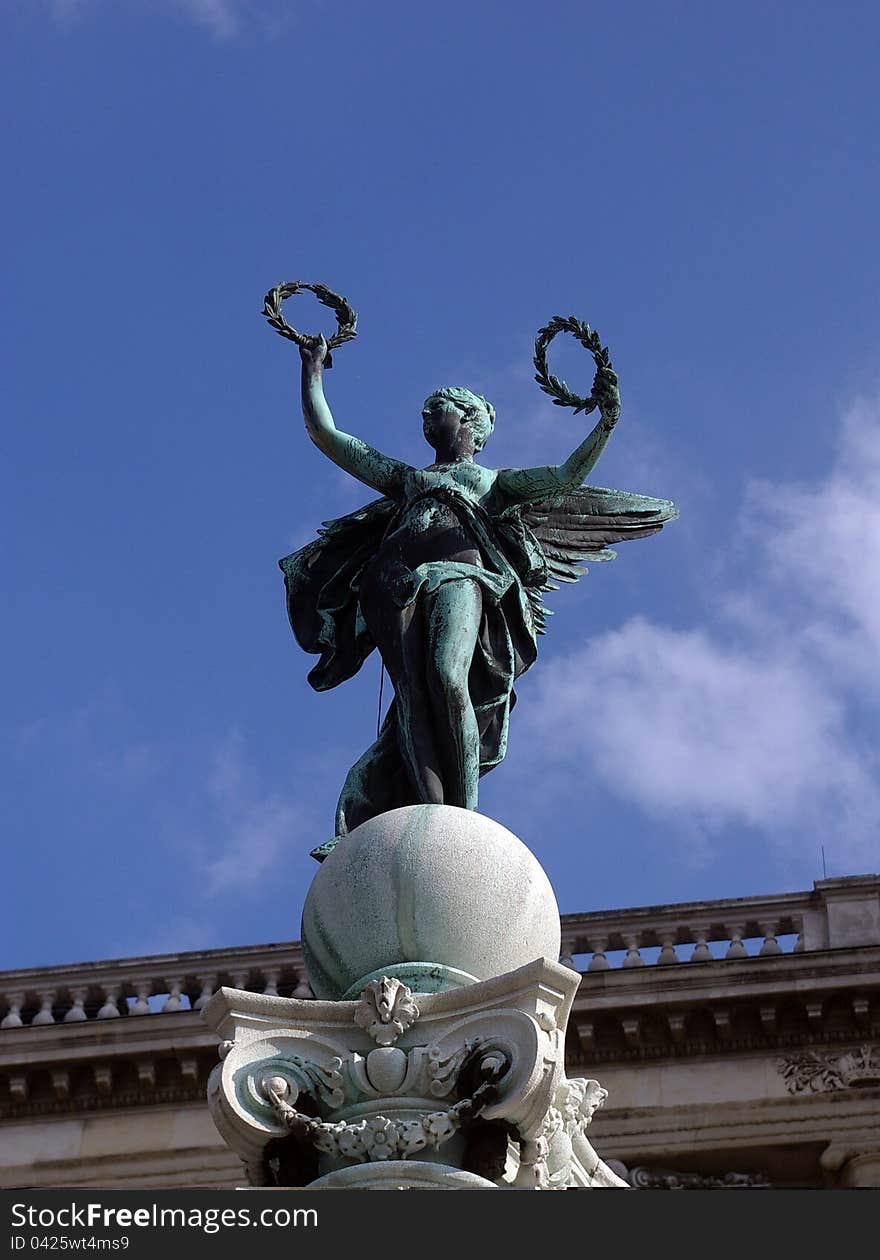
633, 957
736, 949
12, 1018
209, 984
667, 954
271, 989
702, 952
77, 1012
771, 945
44, 1014
141, 1005
599, 962
110, 1009
303, 990
172, 1002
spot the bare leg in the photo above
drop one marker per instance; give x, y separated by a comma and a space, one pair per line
416, 725
452, 615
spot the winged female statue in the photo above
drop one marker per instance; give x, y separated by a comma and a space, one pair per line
444, 575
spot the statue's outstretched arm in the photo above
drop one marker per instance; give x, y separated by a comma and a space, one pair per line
526, 485
356, 457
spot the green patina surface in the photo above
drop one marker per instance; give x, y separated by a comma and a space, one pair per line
445, 574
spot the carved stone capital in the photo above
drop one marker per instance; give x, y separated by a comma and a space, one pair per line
491, 1054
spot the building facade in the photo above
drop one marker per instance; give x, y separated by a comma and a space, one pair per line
739, 1041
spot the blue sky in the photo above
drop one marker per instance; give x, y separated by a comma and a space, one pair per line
700, 181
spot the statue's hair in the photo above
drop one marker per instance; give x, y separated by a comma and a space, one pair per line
474, 406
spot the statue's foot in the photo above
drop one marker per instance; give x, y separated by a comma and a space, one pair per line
325, 849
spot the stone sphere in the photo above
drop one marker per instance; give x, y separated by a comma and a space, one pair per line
435, 895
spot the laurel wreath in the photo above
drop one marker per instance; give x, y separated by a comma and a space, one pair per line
346, 316
558, 390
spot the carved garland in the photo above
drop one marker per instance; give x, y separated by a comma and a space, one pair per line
380, 1138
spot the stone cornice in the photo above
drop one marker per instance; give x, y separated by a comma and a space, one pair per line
767, 1004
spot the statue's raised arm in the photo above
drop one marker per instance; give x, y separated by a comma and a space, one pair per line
351, 453
528, 485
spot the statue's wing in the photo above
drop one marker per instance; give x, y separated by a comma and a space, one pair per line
579, 526
322, 581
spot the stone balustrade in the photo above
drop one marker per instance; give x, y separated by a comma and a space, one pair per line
837, 913
158, 984
796, 969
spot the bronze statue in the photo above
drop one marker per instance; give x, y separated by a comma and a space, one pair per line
444, 573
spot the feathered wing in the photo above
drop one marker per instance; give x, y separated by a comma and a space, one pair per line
579, 526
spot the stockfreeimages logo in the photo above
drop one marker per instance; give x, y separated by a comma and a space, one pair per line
96, 1216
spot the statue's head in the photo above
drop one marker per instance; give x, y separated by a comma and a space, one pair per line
474, 410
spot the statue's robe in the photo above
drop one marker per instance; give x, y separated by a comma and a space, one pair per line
521, 550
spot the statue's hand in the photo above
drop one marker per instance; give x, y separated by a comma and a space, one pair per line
606, 392
314, 352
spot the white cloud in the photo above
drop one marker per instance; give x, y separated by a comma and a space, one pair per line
221, 17
80, 739
823, 543
757, 718
174, 934
253, 829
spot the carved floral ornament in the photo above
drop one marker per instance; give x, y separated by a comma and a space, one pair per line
812, 1072
386, 1010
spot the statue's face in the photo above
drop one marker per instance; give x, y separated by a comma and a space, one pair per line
455, 435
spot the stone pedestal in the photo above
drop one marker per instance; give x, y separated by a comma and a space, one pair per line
433, 1055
